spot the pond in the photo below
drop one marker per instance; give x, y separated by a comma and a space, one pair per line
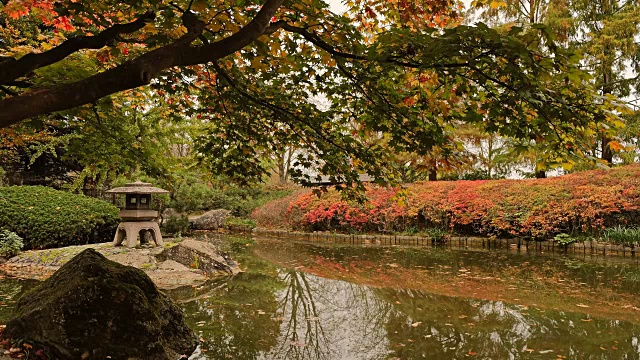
300, 300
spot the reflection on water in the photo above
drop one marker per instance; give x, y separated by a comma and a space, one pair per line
10, 291
305, 301
313, 301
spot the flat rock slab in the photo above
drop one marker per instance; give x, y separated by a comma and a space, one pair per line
169, 267
200, 255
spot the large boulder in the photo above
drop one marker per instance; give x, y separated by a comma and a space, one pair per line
211, 220
201, 255
169, 212
94, 308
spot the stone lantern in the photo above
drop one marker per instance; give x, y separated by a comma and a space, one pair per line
138, 217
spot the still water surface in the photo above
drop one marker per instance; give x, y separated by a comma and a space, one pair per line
320, 301
299, 300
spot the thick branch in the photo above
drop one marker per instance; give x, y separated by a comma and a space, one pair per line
245, 36
134, 73
11, 69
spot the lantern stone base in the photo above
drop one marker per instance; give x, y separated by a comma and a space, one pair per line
130, 230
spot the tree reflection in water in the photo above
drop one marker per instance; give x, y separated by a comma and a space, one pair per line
275, 311
328, 319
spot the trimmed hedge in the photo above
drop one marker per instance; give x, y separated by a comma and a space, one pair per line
584, 202
48, 218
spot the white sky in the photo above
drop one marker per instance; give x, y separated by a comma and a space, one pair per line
338, 8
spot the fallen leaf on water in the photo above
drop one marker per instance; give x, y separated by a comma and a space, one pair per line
416, 324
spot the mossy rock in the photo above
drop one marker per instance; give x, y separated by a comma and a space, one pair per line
95, 308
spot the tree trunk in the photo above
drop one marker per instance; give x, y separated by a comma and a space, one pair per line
607, 85
607, 154
541, 174
282, 172
433, 175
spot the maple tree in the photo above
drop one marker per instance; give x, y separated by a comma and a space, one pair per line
263, 75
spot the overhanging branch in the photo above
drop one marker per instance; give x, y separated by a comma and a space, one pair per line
11, 69
319, 42
135, 72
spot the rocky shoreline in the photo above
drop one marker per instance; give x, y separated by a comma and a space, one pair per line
188, 262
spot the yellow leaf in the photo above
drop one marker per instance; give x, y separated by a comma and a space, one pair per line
274, 46
326, 58
257, 64
199, 6
179, 31
497, 4
215, 27
150, 28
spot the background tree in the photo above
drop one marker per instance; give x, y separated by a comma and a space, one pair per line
605, 32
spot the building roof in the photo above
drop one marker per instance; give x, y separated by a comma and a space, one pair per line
326, 180
137, 187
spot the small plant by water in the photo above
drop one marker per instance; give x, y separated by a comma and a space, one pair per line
565, 239
196, 262
438, 235
627, 236
10, 244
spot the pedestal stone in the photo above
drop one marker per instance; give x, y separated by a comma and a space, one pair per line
131, 229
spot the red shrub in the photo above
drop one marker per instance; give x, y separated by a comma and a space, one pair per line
582, 202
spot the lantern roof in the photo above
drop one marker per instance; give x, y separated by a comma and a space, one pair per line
137, 187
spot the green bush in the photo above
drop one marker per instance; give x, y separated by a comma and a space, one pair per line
191, 197
176, 225
197, 197
47, 218
10, 244
240, 223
